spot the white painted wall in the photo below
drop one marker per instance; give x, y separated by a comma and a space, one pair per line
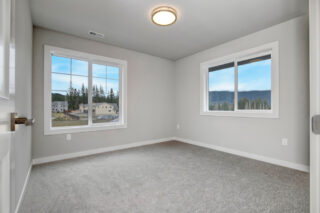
261, 136
150, 98
21, 143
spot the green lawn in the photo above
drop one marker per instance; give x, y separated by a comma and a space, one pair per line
69, 123
60, 119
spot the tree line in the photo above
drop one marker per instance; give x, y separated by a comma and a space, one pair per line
75, 97
243, 103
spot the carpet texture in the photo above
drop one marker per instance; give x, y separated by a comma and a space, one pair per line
166, 177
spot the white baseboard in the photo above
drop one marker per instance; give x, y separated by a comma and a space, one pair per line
274, 161
37, 161
23, 190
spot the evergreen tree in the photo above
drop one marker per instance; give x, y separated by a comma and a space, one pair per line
111, 96
225, 106
265, 104
258, 103
84, 95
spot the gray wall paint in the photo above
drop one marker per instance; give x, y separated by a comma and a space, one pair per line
253, 135
21, 152
154, 110
150, 98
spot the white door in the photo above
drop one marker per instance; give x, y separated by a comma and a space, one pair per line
314, 29
7, 103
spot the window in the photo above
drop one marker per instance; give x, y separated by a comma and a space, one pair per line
83, 92
244, 84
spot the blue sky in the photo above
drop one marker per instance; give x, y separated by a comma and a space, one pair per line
105, 76
253, 76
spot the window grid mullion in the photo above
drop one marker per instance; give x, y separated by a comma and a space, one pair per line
106, 80
70, 74
235, 85
90, 107
207, 89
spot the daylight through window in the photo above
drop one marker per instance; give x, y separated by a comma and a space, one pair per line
69, 91
254, 83
74, 103
221, 87
244, 85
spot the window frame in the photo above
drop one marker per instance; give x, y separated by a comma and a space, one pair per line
5, 42
270, 48
91, 59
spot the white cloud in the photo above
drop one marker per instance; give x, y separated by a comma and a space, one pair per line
223, 86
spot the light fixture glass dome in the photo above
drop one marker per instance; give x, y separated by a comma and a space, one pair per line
164, 16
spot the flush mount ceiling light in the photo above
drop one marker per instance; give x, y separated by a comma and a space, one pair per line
164, 16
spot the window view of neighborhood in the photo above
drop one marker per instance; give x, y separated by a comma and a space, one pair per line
69, 90
254, 85
105, 94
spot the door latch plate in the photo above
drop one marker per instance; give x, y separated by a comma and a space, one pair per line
316, 124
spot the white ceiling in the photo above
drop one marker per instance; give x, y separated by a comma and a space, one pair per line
201, 24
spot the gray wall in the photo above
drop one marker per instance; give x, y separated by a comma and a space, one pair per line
154, 110
21, 151
150, 98
254, 135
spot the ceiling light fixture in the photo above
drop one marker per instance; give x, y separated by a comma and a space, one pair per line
164, 16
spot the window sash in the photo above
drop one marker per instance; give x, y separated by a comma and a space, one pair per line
91, 59
221, 67
234, 64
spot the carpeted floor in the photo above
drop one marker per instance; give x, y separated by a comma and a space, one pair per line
166, 177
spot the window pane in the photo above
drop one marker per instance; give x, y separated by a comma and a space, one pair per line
112, 72
254, 83
105, 108
79, 67
79, 82
65, 110
221, 88
60, 64
105, 100
60, 82
99, 70
69, 96
99, 84
112, 86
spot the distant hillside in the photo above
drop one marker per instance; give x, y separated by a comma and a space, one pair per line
58, 97
219, 97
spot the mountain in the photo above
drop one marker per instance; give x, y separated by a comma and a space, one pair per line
219, 97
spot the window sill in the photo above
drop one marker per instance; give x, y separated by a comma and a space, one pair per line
78, 129
246, 114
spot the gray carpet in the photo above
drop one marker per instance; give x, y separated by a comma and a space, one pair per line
167, 177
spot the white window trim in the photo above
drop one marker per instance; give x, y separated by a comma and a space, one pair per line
6, 55
271, 48
91, 58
